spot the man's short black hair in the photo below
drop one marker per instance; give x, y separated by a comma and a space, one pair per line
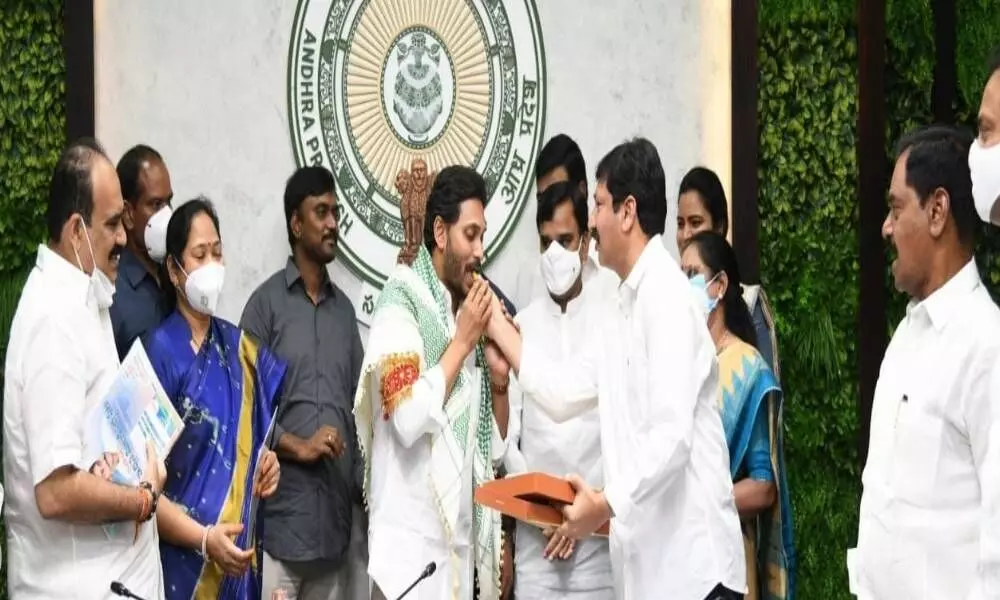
937, 157
129, 168
562, 151
306, 182
71, 190
633, 168
452, 186
554, 196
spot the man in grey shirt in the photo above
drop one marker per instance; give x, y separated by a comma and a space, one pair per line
313, 530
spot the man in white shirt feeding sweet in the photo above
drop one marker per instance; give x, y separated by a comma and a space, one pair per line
929, 525
675, 532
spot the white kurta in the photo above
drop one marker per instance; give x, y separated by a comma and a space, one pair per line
61, 360
560, 448
930, 510
405, 526
676, 533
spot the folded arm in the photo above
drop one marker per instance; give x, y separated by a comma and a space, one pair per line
54, 409
413, 401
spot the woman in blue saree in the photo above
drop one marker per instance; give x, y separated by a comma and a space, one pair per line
750, 402
225, 387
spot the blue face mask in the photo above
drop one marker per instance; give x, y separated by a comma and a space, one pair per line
699, 287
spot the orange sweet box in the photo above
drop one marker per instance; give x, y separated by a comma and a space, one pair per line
535, 498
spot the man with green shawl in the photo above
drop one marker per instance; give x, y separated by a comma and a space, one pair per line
432, 409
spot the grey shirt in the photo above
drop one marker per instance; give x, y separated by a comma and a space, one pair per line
309, 517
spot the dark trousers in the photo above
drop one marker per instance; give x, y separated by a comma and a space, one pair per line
723, 593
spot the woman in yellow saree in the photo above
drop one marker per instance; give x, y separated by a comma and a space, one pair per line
750, 402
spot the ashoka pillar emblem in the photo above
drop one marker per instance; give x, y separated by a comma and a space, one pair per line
375, 84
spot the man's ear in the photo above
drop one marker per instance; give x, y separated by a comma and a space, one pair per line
627, 215
128, 216
440, 233
938, 207
584, 246
295, 224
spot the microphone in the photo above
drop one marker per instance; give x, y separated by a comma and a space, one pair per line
428, 571
118, 588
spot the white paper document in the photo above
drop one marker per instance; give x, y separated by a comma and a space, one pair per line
135, 410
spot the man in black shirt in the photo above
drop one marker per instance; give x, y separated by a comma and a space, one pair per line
313, 529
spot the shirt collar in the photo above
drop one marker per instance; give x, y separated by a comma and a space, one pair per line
132, 269
293, 275
75, 282
630, 285
943, 304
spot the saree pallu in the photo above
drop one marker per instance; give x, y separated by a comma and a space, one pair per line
749, 391
226, 393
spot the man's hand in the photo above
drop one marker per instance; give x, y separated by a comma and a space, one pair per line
268, 474
474, 314
155, 472
559, 546
588, 512
221, 550
325, 443
106, 465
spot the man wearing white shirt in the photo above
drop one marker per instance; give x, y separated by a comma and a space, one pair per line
431, 419
559, 323
929, 526
675, 532
61, 360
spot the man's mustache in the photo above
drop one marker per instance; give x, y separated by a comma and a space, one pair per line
116, 252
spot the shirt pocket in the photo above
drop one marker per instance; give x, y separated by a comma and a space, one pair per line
916, 455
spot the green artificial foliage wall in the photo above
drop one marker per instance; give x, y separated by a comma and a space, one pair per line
32, 123
809, 246
32, 133
808, 250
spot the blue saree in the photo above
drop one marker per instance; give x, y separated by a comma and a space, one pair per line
751, 406
226, 393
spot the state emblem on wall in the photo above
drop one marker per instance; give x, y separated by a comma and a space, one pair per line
375, 84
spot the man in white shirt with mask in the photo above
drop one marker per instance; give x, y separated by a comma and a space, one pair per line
559, 323
675, 532
61, 360
929, 524
984, 154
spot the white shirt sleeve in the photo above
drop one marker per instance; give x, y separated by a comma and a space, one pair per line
982, 417
674, 378
514, 460
421, 411
54, 400
563, 390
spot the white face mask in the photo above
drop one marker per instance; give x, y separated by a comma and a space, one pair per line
155, 235
984, 163
203, 287
560, 268
101, 286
